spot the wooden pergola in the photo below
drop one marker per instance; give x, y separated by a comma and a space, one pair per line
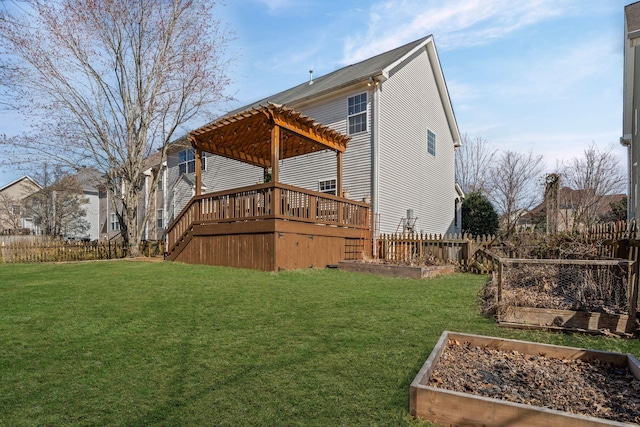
265, 135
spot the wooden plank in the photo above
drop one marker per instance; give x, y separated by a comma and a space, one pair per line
509, 261
547, 350
569, 319
451, 408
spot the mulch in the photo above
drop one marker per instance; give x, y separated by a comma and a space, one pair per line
593, 389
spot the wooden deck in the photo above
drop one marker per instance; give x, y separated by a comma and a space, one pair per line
271, 227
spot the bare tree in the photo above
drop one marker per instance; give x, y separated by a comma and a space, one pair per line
594, 175
106, 83
11, 214
473, 164
513, 186
59, 208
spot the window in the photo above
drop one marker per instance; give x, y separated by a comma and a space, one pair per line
160, 178
187, 161
431, 142
117, 186
15, 209
357, 113
115, 224
160, 219
328, 186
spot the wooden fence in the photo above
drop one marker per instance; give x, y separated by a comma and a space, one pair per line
429, 249
56, 251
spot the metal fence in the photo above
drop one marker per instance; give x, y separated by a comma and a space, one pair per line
605, 286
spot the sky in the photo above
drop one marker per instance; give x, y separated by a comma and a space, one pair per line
526, 75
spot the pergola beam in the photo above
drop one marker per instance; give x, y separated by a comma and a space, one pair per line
263, 136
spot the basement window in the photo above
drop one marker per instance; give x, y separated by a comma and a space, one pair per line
328, 186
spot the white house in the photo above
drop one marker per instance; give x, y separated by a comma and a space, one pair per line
396, 109
631, 101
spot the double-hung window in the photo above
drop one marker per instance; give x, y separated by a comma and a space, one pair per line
328, 186
160, 219
115, 224
187, 161
357, 113
431, 142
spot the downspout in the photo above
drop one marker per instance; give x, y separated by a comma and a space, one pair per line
146, 206
375, 187
165, 196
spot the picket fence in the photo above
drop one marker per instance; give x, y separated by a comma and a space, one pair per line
28, 251
432, 249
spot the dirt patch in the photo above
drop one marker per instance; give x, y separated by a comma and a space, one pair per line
595, 389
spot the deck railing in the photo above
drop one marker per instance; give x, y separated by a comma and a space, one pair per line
268, 201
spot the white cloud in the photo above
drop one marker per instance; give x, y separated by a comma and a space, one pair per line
454, 23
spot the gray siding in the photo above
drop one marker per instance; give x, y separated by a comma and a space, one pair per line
409, 177
306, 171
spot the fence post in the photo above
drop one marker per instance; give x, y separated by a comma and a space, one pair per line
633, 295
500, 278
2, 252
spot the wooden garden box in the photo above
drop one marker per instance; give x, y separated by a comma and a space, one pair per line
453, 408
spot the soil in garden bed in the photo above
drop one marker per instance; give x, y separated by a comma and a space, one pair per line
593, 389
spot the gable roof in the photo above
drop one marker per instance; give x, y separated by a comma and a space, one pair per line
340, 78
378, 68
568, 199
632, 19
27, 178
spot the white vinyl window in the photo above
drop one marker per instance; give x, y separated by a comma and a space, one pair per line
160, 179
431, 142
115, 224
160, 219
328, 186
357, 113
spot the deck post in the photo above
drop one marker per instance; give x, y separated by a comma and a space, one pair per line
198, 171
339, 173
275, 153
275, 170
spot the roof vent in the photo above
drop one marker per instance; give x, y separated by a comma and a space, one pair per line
310, 77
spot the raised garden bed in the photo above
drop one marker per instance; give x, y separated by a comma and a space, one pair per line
596, 296
392, 270
486, 381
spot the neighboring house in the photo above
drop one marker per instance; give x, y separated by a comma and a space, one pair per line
13, 218
109, 225
88, 180
568, 202
631, 102
396, 109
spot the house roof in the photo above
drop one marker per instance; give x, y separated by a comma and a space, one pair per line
23, 178
246, 136
632, 19
378, 68
568, 198
358, 72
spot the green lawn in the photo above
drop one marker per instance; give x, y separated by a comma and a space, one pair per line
134, 343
